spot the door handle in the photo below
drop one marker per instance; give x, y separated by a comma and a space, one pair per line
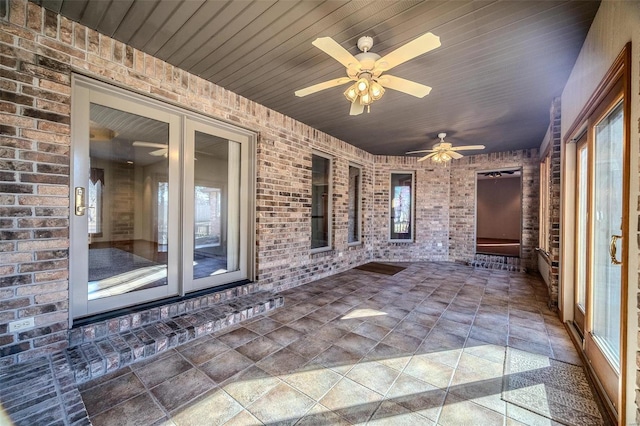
80, 201
613, 249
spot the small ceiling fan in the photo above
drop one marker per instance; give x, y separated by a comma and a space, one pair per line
161, 149
366, 68
444, 151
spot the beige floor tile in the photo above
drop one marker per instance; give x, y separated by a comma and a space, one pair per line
356, 343
352, 401
429, 371
374, 376
484, 368
225, 365
162, 369
282, 362
203, 352
249, 385
263, 325
458, 411
338, 359
213, 408
141, 410
243, 418
258, 348
282, 405
519, 416
182, 388
417, 396
447, 357
473, 386
315, 381
320, 415
491, 352
372, 331
309, 347
284, 335
111, 393
237, 337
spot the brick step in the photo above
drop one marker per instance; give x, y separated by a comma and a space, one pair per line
95, 357
504, 263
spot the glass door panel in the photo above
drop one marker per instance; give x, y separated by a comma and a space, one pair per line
124, 231
607, 223
213, 207
128, 203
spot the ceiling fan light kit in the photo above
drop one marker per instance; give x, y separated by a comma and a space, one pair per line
365, 70
443, 152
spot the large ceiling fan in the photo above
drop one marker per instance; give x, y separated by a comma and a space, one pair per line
444, 151
366, 68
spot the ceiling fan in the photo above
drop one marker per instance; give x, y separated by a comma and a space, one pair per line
161, 149
444, 151
499, 173
366, 68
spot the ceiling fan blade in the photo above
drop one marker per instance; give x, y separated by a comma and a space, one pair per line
322, 86
417, 47
159, 152
418, 152
149, 144
337, 52
406, 86
356, 108
426, 157
467, 147
454, 155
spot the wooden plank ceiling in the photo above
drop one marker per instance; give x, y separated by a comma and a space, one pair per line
500, 64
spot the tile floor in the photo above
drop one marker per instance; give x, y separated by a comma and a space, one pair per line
425, 346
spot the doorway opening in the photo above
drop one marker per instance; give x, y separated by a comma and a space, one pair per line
499, 213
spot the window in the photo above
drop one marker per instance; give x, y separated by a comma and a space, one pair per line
320, 203
94, 204
401, 207
355, 201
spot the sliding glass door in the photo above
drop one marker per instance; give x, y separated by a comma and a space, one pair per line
161, 201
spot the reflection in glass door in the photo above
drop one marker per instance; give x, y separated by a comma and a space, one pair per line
129, 253
213, 207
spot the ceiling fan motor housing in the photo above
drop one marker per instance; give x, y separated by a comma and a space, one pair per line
365, 43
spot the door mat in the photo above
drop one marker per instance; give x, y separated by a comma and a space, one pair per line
550, 388
380, 268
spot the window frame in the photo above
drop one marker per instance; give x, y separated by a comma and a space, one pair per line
411, 207
358, 203
329, 213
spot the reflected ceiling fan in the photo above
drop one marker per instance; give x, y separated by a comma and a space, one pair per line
161, 149
366, 68
444, 151
499, 173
